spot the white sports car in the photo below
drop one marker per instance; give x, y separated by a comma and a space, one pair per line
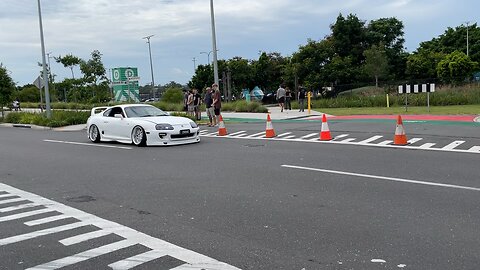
140, 124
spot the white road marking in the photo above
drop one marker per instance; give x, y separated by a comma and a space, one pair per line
369, 140
475, 149
348, 140
427, 145
137, 260
84, 256
341, 136
6, 195
18, 207
212, 134
12, 200
25, 214
237, 133
45, 220
387, 142
90, 144
378, 261
241, 135
31, 235
284, 134
453, 145
256, 134
194, 260
83, 237
315, 139
414, 140
394, 179
310, 135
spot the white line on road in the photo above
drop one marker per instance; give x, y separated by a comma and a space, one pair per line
475, 149
383, 178
83, 237
45, 220
387, 142
284, 134
348, 140
453, 145
12, 200
17, 207
309, 135
237, 133
25, 214
193, 259
84, 256
137, 260
6, 195
89, 144
290, 137
414, 140
256, 134
340, 136
427, 145
369, 140
27, 236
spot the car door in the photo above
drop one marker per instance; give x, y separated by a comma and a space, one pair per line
120, 125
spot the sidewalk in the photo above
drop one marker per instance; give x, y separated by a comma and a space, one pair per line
275, 114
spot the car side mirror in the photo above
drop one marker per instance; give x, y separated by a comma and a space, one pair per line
118, 115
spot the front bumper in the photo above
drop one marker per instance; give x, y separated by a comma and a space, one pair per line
172, 137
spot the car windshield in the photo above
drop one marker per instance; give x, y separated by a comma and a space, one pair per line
144, 111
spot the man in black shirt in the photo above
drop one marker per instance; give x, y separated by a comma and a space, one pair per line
210, 110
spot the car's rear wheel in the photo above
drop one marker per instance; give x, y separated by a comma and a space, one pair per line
139, 137
94, 134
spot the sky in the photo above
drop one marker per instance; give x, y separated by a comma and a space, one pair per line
182, 30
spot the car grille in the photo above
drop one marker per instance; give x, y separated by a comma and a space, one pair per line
182, 136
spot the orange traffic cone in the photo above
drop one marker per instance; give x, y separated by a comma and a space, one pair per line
222, 130
269, 133
400, 137
325, 132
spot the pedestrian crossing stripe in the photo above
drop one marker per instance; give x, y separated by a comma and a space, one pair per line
374, 141
33, 205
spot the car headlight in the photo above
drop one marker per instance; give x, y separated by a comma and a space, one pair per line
193, 125
164, 127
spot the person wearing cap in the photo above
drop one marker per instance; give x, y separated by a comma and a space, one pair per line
217, 101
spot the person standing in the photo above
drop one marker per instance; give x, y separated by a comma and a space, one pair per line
281, 96
185, 100
208, 100
191, 108
197, 101
301, 99
217, 101
288, 99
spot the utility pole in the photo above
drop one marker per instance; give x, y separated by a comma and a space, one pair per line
214, 44
194, 64
44, 64
151, 64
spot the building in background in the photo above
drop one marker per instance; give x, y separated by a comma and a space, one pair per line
125, 84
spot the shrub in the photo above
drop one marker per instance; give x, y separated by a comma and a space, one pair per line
173, 95
58, 119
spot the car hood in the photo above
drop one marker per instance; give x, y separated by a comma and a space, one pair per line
172, 120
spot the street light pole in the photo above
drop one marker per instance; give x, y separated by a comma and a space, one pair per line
151, 64
44, 64
194, 64
214, 44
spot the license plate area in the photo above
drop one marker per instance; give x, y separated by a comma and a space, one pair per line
185, 131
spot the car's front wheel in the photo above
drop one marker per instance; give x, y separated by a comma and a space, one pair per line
139, 138
94, 134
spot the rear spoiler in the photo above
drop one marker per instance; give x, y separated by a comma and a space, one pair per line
98, 110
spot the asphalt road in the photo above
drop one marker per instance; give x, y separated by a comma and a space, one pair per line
254, 204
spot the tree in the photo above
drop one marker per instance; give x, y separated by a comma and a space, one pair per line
7, 86
376, 62
93, 70
202, 78
456, 67
349, 37
423, 64
69, 61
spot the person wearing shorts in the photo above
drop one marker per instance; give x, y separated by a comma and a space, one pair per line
208, 100
191, 107
281, 96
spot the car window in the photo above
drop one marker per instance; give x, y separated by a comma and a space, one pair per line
144, 111
115, 110
107, 112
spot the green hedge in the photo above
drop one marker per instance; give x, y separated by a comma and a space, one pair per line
58, 119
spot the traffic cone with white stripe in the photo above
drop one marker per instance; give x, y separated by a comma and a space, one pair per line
269, 133
400, 137
325, 134
222, 130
